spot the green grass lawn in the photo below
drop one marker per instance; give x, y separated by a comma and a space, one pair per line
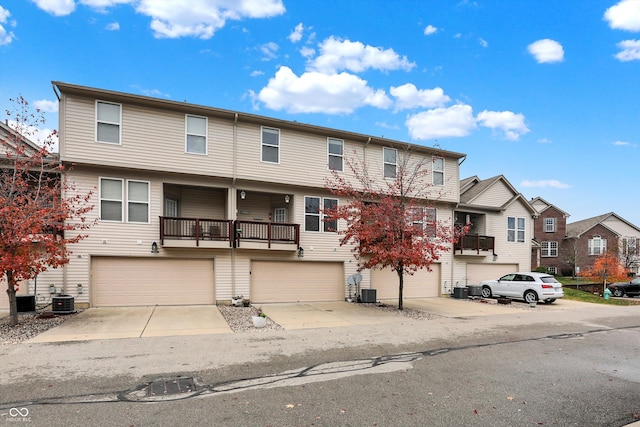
576, 295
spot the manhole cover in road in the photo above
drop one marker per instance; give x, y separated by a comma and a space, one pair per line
170, 387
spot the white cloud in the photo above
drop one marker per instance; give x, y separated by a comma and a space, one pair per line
624, 15
114, 26
546, 50
6, 37
46, 105
454, 121
296, 34
621, 143
307, 52
408, 96
510, 123
483, 42
336, 55
544, 141
430, 29
315, 92
56, 7
269, 50
544, 183
176, 18
629, 50
256, 73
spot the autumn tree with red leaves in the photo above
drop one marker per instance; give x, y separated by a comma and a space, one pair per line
606, 269
41, 212
391, 222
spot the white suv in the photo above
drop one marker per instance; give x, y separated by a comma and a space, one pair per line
527, 286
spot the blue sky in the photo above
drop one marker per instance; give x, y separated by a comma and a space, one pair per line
545, 92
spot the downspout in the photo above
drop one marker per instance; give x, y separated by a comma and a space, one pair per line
453, 256
234, 207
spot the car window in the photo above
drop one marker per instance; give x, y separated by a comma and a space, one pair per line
549, 279
636, 281
507, 277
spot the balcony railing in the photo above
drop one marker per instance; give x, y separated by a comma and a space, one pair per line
477, 243
235, 232
198, 229
270, 232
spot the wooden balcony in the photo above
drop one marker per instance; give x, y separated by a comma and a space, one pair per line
214, 233
267, 235
475, 244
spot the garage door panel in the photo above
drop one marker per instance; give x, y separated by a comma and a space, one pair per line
151, 281
290, 281
476, 273
422, 284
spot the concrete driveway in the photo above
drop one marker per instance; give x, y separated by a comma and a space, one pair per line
137, 322
153, 321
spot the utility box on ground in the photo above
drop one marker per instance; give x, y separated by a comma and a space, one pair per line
368, 295
460, 293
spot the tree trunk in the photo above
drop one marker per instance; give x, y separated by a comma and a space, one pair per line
13, 305
400, 287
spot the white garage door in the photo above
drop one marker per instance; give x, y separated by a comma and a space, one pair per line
422, 284
479, 272
151, 281
291, 281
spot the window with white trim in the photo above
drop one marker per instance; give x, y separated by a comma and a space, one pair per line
597, 245
270, 145
335, 152
330, 226
438, 171
549, 225
313, 215
424, 219
630, 246
137, 201
108, 119
515, 229
196, 134
111, 199
549, 249
390, 162
552, 270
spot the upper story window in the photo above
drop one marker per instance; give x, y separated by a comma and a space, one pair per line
549, 249
138, 201
196, 134
549, 225
111, 199
330, 226
335, 150
438, 171
390, 162
313, 215
424, 219
270, 145
597, 245
515, 229
108, 119
630, 246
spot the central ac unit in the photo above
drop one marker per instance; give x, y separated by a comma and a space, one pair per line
62, 304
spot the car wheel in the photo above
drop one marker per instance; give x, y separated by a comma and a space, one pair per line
550, 301
530, 296
618, 293
486, 292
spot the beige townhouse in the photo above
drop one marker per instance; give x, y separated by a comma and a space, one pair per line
195, 204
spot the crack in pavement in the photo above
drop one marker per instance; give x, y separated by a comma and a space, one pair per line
320, 372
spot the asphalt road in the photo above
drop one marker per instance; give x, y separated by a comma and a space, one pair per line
560, 369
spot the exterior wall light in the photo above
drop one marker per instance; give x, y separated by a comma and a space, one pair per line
286, 198
300, 253
154, 248
243, 195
